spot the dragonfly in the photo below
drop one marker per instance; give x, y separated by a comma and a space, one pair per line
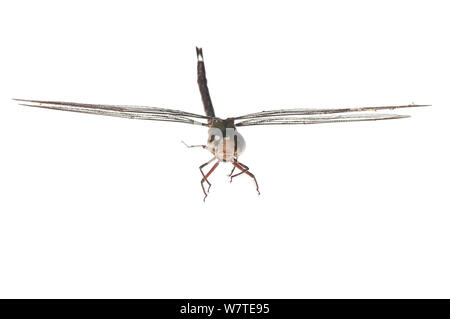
224, 142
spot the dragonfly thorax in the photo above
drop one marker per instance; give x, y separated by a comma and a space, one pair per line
226, 144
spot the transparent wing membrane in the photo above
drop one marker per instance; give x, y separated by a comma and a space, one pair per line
124, 111
274, 117
314, 116
320, 119
311, 111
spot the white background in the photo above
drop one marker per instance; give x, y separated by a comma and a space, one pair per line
94, 206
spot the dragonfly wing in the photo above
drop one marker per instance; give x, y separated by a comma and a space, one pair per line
316, 119
125, 111
310, 111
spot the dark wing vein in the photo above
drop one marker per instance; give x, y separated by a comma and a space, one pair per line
124, 111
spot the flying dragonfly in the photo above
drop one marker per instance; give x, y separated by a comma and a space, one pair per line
224, 141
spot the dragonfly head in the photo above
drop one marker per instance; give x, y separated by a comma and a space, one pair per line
224, 141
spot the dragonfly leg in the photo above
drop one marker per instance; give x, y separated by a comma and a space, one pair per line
206, 176
190, 146
232, 172
203, 174
244, 170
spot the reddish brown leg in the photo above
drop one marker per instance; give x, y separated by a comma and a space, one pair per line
232, 172
244, 170
205, 179
203, 174
203, 165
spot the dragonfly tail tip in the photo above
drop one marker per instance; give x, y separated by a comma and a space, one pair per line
199, 53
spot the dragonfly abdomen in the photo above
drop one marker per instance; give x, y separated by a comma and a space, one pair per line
202, 84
